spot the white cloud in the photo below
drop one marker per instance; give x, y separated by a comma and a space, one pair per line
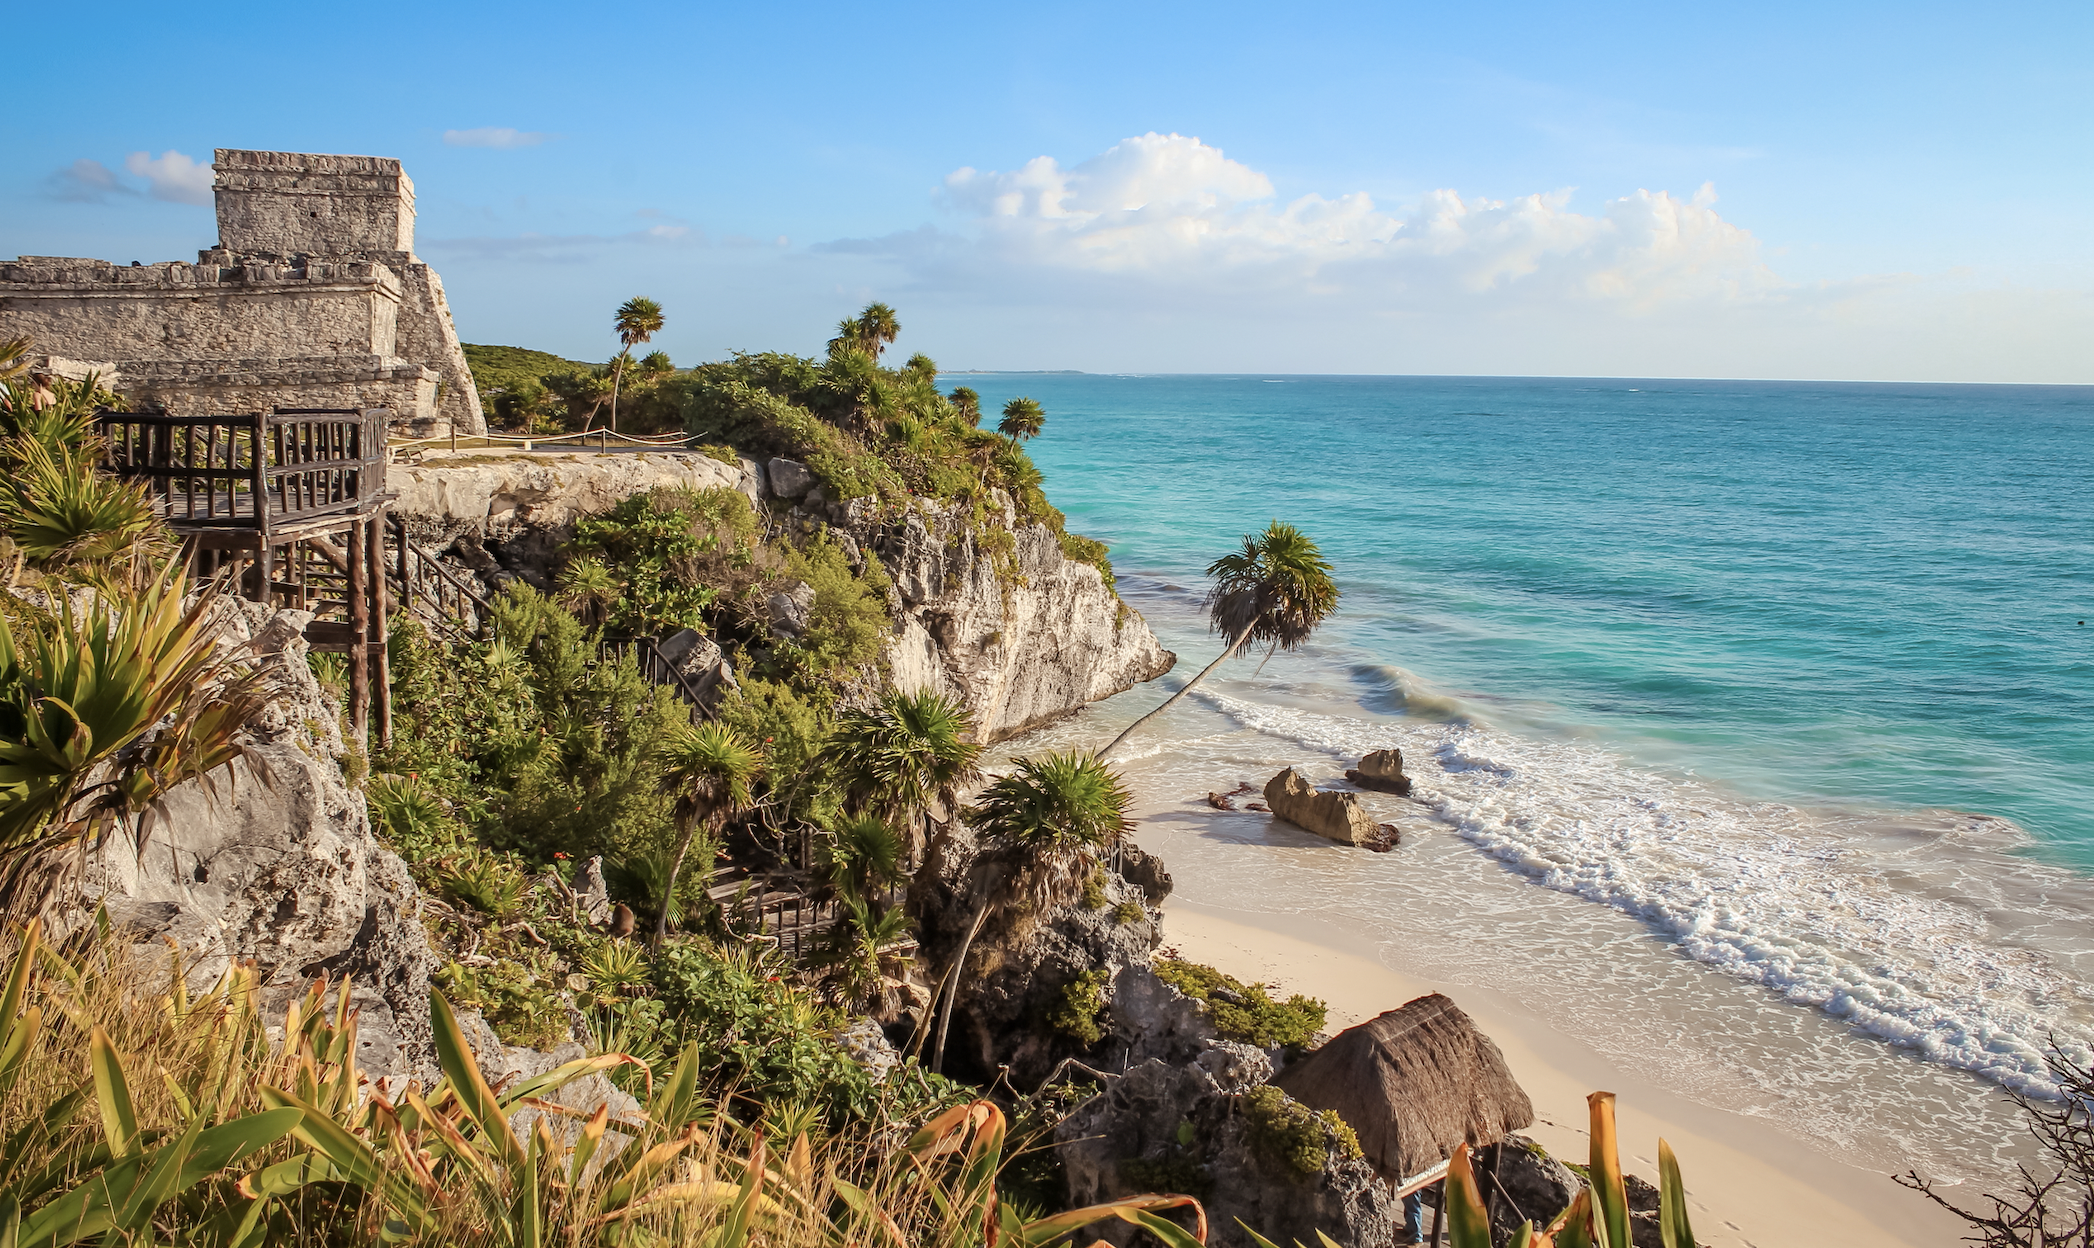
86, 182
503, 137
1168, 209
1162, 254
173, 177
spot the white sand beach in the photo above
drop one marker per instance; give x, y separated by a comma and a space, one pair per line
1751, 1184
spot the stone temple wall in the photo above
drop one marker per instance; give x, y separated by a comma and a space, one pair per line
312, 298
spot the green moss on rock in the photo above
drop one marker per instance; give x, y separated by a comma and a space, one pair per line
1243, 1012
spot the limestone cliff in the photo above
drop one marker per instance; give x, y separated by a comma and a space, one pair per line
989, 611
276, 862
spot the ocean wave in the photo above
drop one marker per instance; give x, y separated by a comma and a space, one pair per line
1815, 906
1403, 691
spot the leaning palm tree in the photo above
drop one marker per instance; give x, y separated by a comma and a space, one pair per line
710, 770
1022, 420
1277, 589
907, 752
1044, 827
638, 320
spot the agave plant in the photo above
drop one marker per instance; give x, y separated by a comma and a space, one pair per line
104, 707
55, 505
1598, 1217
112, 1189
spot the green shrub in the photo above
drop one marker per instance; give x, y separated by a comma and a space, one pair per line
535, 745
487, 882
850, 617
793, 728
1290, 1133
655, 542
1129, 912
1091, 551
1094, 896
1245, 1013
768, 1040
1080, 1007
521, 1002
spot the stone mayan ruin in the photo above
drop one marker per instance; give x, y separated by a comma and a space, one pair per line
313, 298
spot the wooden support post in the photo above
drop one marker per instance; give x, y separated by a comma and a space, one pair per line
382, 664
359, 637
264, 574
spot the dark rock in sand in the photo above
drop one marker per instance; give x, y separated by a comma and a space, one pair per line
1383, 771
1327, 813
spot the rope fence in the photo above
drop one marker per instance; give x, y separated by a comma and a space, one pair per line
488, 441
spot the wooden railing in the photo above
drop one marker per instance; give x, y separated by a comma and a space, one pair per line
646, 652
254, 471
434, 592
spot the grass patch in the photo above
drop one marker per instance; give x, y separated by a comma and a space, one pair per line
1078, 1011
1246, 1013
1290, 1133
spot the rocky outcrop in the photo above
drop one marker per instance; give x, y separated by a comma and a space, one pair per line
1382, 770
1023, 635
497, 493
1527, 1184
706, 673
1033, 981
1328, 813
986, 609
276, 862
1205, 1128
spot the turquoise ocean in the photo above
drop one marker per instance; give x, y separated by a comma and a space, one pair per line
1779, 692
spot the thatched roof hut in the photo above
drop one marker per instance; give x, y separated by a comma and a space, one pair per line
1413, 1083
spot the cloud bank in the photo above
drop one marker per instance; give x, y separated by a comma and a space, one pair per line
170, 176
1164, 244
1171, 212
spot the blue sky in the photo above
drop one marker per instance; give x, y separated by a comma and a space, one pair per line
1861, 191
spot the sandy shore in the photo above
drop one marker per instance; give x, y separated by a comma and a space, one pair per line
1750, 1183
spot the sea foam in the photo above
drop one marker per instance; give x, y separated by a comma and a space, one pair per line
1889, 932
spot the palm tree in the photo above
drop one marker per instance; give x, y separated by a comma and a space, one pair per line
923, 366
877, 327
656, 364
588, 588
968, 402
1277, 589
1046, 824
865, 856
638, 321
905, 753
1022, 418
709, 769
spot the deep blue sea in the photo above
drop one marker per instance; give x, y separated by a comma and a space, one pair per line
1863, 593
1792, 675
